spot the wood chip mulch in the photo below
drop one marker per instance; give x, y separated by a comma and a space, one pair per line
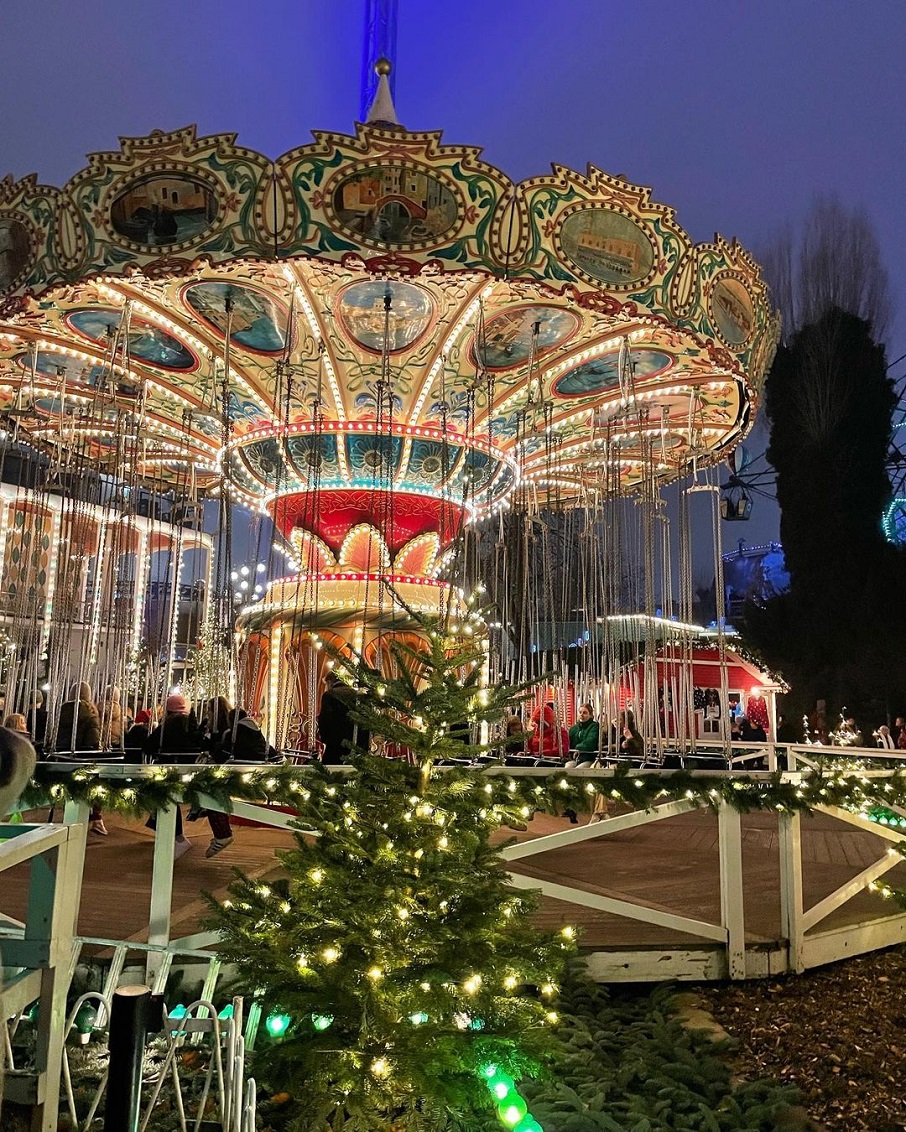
837, 1033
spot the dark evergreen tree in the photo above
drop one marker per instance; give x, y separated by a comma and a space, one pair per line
829, 404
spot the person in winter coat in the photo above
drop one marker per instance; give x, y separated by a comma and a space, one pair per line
79, 729
514, 729
337, 730
111, 713
176, 739
241, 742
137, 735
584, 736
79, 725
548, 740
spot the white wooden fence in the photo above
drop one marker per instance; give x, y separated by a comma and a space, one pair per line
46, 948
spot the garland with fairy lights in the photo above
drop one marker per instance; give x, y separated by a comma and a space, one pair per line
508, 797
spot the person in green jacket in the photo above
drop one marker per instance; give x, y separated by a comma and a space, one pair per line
583, 736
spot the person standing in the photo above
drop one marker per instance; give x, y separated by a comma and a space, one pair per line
341, 735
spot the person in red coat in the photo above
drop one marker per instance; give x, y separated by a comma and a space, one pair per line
548, 740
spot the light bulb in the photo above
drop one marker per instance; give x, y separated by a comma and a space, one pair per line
380, 1067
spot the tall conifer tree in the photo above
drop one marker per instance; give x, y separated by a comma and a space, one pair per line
396, 958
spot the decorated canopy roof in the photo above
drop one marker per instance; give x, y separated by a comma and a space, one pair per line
550, 331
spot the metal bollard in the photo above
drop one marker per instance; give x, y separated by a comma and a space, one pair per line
133, 1014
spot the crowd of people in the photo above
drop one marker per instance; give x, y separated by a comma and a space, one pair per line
547, 740
179, 732
213, 731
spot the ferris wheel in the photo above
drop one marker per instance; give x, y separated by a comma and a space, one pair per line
893, 521
750, 476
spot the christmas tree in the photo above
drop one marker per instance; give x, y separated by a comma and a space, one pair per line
398, 968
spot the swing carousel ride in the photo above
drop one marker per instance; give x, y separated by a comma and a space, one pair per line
422, 372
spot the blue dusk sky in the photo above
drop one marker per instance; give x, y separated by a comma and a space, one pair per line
736, 113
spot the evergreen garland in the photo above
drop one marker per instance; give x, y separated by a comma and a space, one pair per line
506, 797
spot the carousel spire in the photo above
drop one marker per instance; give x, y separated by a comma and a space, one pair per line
382, 111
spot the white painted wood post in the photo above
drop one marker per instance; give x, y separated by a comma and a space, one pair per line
53, 909
729, 840
791, 923
161, 888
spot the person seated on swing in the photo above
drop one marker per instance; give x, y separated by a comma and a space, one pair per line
631, 746
242, 741
584, 736
548, 739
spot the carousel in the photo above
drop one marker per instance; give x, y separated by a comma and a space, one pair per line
419, 374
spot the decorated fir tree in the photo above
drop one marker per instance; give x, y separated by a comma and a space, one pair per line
395, 961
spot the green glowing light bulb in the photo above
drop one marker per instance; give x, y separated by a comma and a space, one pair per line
321, 1021
418, 1018
227, 1012
512, 1109
277, 1024
500, 1085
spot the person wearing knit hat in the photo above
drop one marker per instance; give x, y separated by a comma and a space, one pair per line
137, 736
177, 704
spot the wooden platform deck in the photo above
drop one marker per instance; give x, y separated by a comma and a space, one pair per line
671, 866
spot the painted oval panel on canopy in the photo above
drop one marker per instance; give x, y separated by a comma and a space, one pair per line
63, 367
603, 374
401, 205
606, 245
164, 210
257, 321
732, 311
147, 343
15, 252
363, 314
507, 339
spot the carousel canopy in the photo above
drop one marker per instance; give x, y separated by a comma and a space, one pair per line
381, 309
